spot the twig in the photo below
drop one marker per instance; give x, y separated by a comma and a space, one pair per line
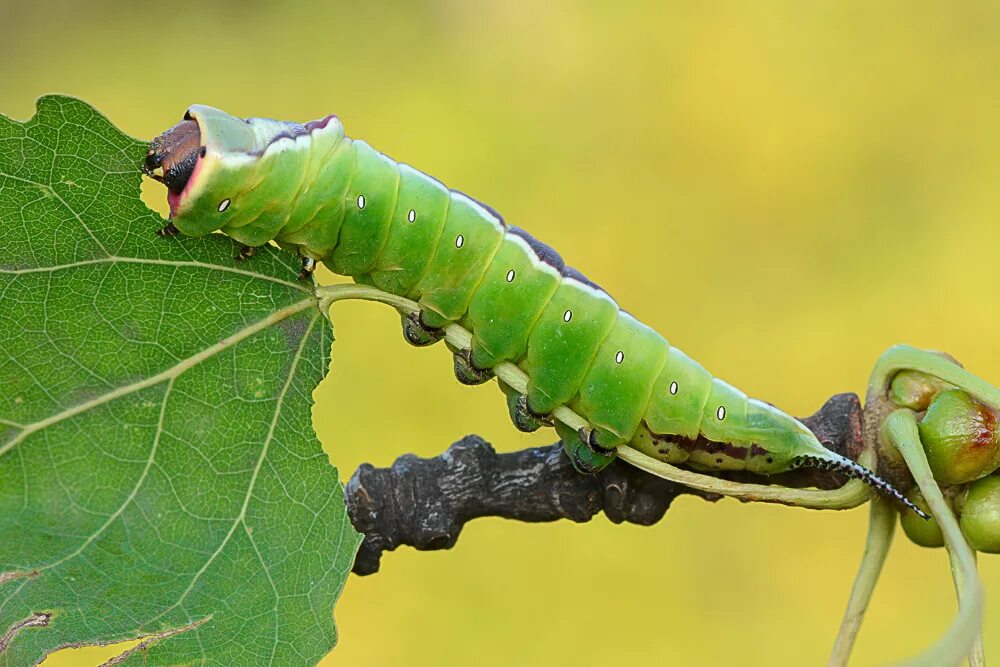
424, 503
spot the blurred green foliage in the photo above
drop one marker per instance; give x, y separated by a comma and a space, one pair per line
783, 189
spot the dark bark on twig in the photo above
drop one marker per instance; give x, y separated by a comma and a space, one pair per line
425, 503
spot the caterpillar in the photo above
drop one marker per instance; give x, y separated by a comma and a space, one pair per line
311, 189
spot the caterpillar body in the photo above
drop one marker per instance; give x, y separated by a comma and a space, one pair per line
312, 189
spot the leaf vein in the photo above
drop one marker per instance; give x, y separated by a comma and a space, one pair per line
172, 372
241, 516
51, 190
115, 259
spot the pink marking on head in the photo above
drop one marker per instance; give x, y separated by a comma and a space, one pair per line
320, 123
174, 198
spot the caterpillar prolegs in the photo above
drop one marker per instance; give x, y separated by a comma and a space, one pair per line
385, 224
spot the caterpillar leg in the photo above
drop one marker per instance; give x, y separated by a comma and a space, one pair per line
466, 372
246, 252
517, 405
168, 230
417, 333
524, 419
586, 458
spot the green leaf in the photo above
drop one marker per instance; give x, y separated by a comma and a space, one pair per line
159, 474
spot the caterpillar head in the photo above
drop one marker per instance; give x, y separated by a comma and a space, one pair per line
211, 160
172, 156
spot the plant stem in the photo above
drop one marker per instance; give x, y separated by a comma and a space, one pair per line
904, 357
881, 526
900, 429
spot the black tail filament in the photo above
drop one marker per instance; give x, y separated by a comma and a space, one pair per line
855, 470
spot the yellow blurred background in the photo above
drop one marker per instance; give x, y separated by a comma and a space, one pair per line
783, 189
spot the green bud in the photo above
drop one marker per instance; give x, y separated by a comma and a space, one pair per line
961, 437
915, 390
926, 533
980, 520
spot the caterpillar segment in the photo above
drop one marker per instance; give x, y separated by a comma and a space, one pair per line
312, 189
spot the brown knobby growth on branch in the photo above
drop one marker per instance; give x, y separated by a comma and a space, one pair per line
424, 503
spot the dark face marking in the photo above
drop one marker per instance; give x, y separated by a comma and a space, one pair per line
172, 155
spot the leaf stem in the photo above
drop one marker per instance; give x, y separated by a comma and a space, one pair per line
900, 429
881, 526
904, 357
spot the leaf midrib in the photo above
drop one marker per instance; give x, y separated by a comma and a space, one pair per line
79, 218
239, 519
115, 259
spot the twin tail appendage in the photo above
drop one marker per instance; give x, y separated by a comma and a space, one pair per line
855, 470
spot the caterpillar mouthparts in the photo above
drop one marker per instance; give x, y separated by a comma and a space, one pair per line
172, 155
855, 470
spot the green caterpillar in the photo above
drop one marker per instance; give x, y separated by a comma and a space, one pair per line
337, 200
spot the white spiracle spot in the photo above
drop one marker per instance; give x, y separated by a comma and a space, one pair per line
510, 276
459, 241
567, 316
673, 388
361, 201
620, 357
721, 412
223, 205
412, 215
